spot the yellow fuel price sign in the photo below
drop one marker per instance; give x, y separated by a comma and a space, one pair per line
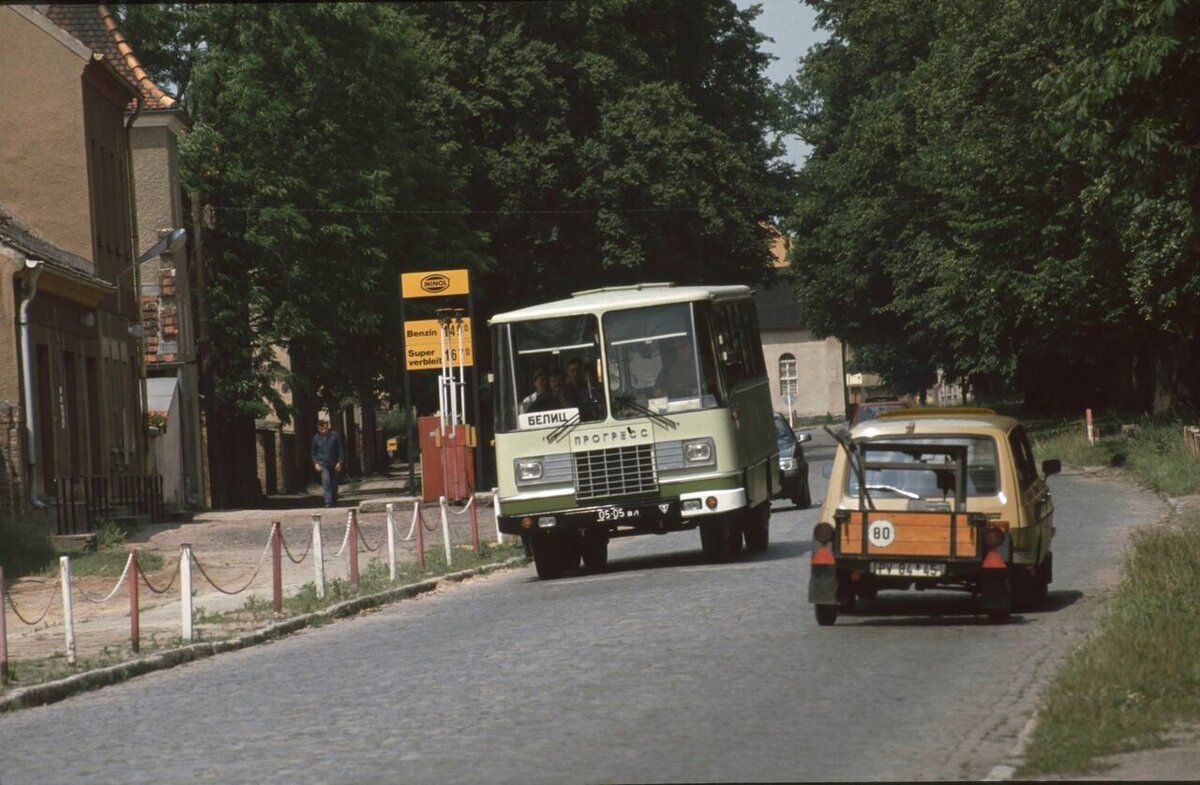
423, 344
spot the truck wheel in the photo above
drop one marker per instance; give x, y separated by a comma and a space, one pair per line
826, 614
714, 539
548, 556
595, 551
1045, 574
1021, 582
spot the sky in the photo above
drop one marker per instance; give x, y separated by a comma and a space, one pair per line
790, 23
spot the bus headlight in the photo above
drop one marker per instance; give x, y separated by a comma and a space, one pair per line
529, 469
699, 451
787, 464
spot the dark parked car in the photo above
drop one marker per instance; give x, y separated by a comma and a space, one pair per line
873, 408
792, 464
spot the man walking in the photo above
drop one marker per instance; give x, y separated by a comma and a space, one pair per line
327, 459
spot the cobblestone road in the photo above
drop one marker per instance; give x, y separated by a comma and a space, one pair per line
662, 669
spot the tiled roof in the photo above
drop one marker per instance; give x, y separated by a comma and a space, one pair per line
96, 28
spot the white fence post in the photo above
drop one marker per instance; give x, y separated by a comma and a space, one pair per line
64, 572
185, 591
318, 556
445, 527
391, 532
496, 515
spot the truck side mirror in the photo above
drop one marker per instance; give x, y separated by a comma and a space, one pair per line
1051, 466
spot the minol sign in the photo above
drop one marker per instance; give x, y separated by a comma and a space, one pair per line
434, 284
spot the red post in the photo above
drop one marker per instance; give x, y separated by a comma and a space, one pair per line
352, 522
3, 633
277, 565
420, 535
474, 524
135, 625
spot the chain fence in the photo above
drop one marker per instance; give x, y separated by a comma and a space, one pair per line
134, 574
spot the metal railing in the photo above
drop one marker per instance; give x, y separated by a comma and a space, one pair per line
80, 503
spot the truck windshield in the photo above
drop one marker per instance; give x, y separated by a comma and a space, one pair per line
550, 373
659, 359
921, 481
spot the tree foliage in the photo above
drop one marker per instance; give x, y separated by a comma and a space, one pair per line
559, 145
611, 142
1004, 196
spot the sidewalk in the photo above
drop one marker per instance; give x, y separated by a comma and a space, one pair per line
232, 567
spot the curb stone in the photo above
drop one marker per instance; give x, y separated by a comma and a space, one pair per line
54, 691
1004, 772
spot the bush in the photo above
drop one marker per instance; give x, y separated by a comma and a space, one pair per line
25, 548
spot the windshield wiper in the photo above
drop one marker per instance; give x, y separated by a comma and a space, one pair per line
563, 429
628, 400
842, 437
906, 494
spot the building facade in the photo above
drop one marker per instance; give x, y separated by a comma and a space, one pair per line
69, 321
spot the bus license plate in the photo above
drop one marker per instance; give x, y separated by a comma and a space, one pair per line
908, 569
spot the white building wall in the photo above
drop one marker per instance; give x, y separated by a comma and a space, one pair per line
819, 388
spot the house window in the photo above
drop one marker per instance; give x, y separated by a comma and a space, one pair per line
787, 375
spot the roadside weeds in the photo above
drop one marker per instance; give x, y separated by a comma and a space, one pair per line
1136, 679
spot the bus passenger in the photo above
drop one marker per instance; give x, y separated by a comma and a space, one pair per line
553, 399
541, 389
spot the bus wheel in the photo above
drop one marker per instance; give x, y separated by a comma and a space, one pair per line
714, 539
549, 555
595, 551
758, 528
826, 614
737, 528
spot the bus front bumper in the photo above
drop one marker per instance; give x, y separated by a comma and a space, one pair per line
630, 518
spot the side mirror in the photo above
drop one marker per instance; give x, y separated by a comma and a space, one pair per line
1051, 466
804, 437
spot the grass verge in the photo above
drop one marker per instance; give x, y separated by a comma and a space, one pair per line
1137, 674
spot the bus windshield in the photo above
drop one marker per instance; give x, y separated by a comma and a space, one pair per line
660, 358
550, 373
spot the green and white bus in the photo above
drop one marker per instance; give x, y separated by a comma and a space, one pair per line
633, 410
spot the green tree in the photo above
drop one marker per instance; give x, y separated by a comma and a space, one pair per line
944, 222
611, 142
1122, 101
323, 185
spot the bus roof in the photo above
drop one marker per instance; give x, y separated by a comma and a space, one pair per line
617, 297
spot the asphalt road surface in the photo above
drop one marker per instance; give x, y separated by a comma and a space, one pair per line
662, 669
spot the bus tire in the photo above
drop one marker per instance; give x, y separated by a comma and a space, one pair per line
714, 539
594, 548
549, 555
758, 528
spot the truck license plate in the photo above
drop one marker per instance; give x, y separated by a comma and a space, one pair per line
908, 569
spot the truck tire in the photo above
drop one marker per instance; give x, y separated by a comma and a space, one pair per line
826, 614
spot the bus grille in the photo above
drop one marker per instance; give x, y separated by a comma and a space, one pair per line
617, 471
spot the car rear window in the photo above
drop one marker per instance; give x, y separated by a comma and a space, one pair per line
982, 470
